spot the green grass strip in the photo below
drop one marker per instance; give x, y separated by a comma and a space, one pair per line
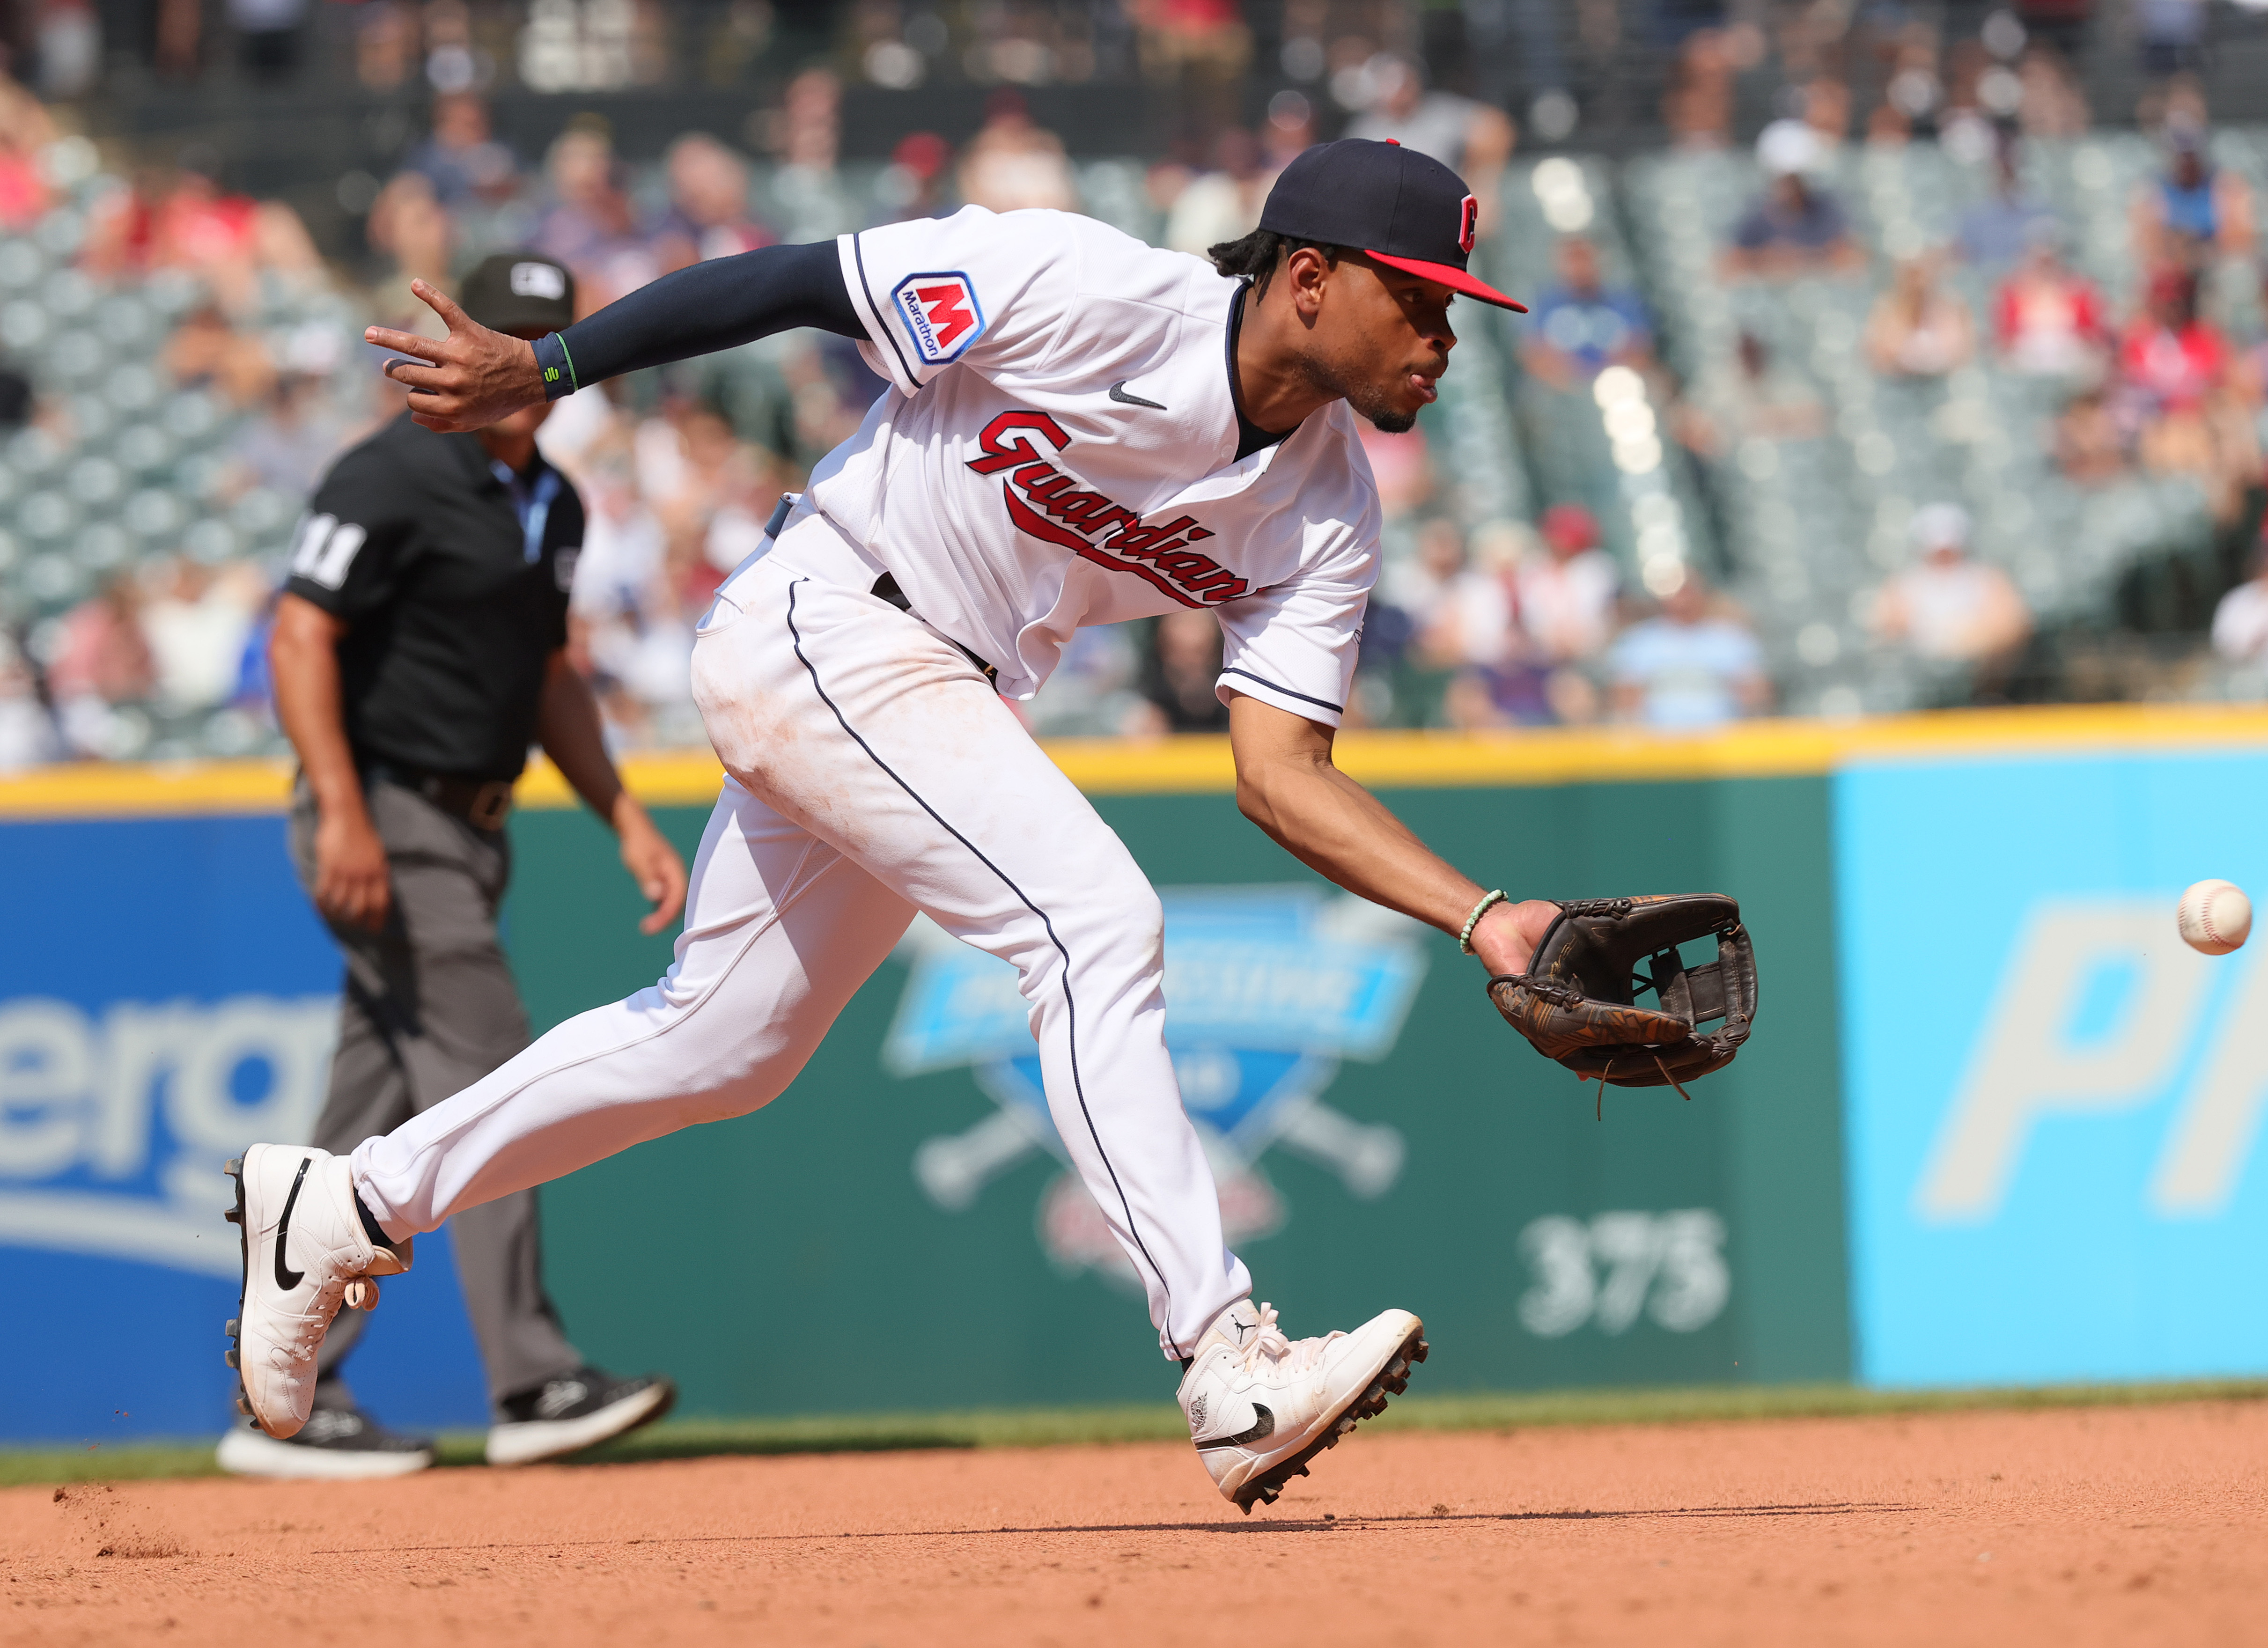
1159, 1422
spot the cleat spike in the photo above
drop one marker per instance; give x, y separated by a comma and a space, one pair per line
229, 1327
229, 1357
234, 1216
234, 1166
242, 1405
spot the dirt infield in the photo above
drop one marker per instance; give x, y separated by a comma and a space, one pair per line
2111, 1525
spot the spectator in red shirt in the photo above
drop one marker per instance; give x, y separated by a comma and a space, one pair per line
170, 220
2171, 360
25, 129
2178, 391
2048, 318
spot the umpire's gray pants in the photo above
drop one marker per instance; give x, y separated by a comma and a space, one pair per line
430, 1008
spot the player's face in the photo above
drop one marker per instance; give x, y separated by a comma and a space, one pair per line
1385, 338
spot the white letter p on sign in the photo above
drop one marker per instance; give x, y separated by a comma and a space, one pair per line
2025, 1065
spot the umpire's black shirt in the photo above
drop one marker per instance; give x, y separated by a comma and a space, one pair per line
453, 585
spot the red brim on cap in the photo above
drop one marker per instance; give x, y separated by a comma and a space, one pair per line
1450, 276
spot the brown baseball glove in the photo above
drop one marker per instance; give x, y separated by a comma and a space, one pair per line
1577, 1002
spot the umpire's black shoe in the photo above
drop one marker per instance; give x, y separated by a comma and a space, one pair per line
579, 1410
335, 1445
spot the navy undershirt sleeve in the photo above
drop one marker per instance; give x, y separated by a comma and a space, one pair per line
714, 305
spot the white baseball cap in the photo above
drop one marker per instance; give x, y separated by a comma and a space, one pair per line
1789, 146
1936, 526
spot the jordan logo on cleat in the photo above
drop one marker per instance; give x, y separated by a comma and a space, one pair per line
286, 1277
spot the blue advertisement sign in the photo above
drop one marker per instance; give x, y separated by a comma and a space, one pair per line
166, 997
2053, 1104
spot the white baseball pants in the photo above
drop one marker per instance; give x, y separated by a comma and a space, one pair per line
872, 772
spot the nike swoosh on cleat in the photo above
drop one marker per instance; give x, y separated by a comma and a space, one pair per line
1262, 1424
286, 1277
1118, 394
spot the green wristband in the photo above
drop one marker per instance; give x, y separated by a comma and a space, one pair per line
1465, 938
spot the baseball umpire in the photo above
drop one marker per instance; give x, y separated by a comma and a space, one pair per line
418, 650
1079, 430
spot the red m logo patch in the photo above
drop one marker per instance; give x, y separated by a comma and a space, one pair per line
941, 314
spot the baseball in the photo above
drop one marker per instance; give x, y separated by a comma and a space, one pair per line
2214, 916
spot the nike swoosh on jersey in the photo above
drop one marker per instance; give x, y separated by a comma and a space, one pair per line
1118, 394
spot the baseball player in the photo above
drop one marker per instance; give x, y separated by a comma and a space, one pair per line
1079, 430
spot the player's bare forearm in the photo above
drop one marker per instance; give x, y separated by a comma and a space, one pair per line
569, 727
1288, 786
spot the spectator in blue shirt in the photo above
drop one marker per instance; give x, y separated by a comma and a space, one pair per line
1581, 325
462, 159
2193, 211
1795, 227
1689, 668
2002, 230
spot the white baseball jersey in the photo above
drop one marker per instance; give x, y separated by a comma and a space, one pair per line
1058, 449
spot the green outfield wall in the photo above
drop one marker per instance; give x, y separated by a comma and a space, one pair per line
1545, 1245
1995, 1125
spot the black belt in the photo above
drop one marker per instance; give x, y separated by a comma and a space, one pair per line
482, 803
885, 588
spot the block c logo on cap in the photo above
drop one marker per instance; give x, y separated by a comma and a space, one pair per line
1469, 222
941, 314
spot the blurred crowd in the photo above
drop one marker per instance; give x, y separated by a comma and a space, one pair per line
681, 467
1481, 619
2159, 383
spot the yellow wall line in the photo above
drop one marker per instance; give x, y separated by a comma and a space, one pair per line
1389, 760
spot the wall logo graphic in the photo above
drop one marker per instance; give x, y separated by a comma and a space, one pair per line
114, 1125
1267, 990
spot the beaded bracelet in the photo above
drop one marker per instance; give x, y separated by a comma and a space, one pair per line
1465, 938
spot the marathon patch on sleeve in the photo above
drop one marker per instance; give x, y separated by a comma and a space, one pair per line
941, 313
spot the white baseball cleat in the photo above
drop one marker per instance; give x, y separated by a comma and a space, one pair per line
305, 1252
1260, 1406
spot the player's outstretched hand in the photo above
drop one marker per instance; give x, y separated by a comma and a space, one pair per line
466, 380
654, 863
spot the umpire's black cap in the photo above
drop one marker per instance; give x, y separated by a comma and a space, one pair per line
520, 291
1402, 208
